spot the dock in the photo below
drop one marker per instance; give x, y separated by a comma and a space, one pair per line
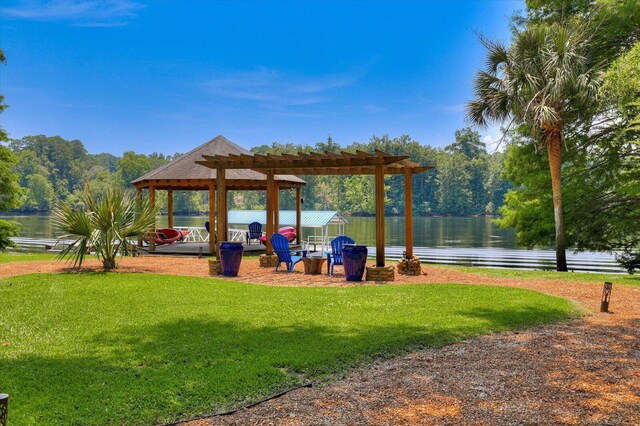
196, 249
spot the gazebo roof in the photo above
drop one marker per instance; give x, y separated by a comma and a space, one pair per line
184, 173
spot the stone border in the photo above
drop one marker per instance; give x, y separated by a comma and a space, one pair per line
410, 266
380, 273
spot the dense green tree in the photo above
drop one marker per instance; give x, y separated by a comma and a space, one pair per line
610, 181
359, 195
9, 192
546, 79
191, 202
131, 166
529, 206
64, 159
9, 180
109, 161
39, 194
9, 184
496, 186
454, 187
29, 164
473, 158
618, 22
467, 143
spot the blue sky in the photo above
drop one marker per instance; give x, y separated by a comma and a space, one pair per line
166, 76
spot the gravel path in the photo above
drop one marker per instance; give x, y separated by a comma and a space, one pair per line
580, 372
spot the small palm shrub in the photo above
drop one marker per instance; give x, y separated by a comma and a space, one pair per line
104, 225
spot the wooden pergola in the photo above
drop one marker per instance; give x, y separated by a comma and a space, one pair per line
378, 164
182, 174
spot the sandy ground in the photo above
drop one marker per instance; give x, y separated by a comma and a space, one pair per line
580, 372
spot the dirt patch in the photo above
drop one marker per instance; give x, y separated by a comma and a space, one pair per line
581, 372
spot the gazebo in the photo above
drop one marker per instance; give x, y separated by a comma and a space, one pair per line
184, 174
378, 164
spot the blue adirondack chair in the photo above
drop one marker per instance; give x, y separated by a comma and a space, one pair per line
335, 256
254, 232
280, 245
207, 225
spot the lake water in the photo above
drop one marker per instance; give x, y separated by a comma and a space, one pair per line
433, 232
449, 240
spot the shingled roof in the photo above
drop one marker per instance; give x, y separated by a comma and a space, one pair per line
184, 170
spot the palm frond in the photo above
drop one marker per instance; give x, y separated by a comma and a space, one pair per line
545, 78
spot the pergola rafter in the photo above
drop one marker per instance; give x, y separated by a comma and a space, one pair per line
328, 163
359, 161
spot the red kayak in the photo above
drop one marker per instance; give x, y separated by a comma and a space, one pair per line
168, 236
287, 231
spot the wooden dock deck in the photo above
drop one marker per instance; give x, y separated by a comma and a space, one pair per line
195, 249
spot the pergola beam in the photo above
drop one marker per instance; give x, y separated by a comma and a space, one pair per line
274, 161
325, 171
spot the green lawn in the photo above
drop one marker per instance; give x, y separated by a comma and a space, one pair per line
25, 257
550, 275
143, 349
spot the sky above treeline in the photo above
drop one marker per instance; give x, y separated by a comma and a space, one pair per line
165, 76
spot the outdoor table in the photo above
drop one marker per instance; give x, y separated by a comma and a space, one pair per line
302, 252
313, 264
328, 252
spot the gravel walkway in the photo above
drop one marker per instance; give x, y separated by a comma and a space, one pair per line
580, 372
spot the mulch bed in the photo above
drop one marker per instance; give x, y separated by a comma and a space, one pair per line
580, 372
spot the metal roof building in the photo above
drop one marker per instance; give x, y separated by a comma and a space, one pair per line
310, 218
318, 221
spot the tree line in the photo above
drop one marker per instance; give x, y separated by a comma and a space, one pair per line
466, 179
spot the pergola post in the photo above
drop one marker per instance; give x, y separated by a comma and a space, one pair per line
170, 207
298, 215
379, 188
271, 185
276, 208
139, 195
408, 212
152, 237
221, 226
212, 221
225, 212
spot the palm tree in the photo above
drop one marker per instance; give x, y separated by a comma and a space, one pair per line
547, 81
105, 224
